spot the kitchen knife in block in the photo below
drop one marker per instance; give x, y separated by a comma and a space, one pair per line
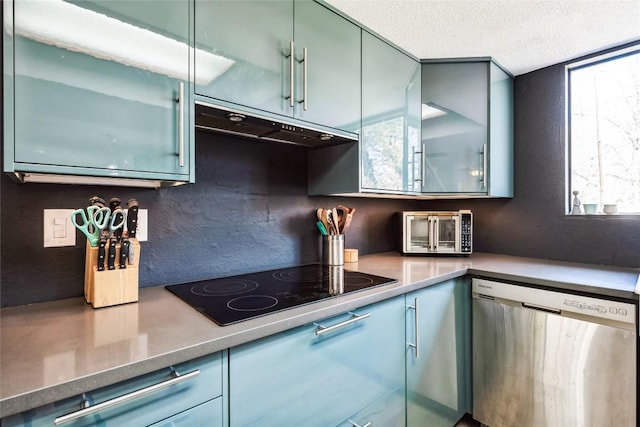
132, 217
111, 257
102, 245
124, 253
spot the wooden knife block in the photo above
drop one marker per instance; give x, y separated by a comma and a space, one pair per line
111, 287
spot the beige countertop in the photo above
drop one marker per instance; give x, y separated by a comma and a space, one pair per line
53, 350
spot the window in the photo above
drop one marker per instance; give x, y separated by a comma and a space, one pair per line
604, 131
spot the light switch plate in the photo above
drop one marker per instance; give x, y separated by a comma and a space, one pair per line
58, 229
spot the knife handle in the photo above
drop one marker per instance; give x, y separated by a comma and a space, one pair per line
124, 253
111, 260
101, 253
132, 220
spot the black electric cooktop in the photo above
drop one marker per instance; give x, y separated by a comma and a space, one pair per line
232, 299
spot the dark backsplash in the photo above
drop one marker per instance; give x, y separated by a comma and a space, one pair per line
249, 211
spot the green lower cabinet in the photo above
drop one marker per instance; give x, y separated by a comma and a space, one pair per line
196, 401
439, 354
386, 412
208, 414
299, 378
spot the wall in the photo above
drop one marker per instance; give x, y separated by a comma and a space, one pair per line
534, 223
248, 211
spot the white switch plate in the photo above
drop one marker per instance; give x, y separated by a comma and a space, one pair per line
58, 229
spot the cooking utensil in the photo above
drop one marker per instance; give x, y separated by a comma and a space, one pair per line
334, 218
332, 226
132, 217
347, 221
87, 222
342, 217
322, 228
114, 203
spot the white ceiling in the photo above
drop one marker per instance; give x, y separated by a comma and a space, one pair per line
522, 35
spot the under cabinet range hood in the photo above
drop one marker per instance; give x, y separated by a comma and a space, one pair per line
235, 122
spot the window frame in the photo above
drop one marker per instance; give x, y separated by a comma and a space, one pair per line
595, 59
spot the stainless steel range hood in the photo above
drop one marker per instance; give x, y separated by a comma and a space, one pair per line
235, 122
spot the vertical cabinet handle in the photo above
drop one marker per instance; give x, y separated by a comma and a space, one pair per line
414, 165
484, 166
181, 124
416, 321
304, 62
292, 70
91, 409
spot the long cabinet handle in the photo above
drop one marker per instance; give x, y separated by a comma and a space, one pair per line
88, 410
416, 320
181, 124
414, 165
355, 424
305, 60
321, 330
292, 71
484, 166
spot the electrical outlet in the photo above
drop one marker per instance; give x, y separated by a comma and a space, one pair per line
58, 229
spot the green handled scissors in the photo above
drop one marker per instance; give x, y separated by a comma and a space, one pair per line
92, 222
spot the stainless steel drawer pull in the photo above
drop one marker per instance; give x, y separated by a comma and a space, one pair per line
416, 320
181, 124
88, 410
320, 330
355, 424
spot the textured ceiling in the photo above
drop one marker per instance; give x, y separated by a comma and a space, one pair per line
522, 35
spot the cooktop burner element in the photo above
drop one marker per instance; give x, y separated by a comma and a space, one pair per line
229, 300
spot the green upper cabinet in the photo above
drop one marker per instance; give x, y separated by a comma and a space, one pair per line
99, 88
327, 47
467, 129
243, 56
242, 50
390, 139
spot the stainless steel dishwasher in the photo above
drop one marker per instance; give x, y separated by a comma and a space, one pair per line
551, 359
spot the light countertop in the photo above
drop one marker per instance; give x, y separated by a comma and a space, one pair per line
54, 350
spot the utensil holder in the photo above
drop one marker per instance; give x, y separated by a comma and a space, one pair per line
111, 287
333, 249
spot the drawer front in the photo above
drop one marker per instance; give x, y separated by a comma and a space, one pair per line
138, 411
386, 412
206, 415
300, 378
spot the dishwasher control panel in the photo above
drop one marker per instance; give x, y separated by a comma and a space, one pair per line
557, 302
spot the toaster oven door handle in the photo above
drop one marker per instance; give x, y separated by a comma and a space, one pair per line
434, 233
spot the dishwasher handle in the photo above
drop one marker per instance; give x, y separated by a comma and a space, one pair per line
541, 308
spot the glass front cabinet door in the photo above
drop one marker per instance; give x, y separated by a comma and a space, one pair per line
390, 139
291, 58
467, 128
99, 88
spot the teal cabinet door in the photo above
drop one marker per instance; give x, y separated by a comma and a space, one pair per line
242, 52
390, 138
386, 412
439, 354
100, 88
299, 378
203, 382
467, 128
455, 126
327, 56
